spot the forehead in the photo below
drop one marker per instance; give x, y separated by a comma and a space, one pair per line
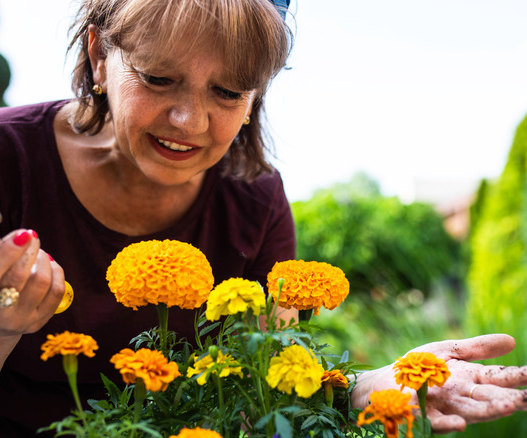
183, 58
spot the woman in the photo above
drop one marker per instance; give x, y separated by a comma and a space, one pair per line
163, 141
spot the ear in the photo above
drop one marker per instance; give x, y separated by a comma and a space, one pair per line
98, 64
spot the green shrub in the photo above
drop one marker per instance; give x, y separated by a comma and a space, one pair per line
380, 243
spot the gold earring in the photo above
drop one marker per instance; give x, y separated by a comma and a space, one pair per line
97, 89
247, 120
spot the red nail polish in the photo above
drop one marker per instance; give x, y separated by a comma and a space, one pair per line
21, 238
33, 233
50, 258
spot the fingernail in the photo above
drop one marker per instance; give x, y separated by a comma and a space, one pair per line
34, 233
21, 238
50, 258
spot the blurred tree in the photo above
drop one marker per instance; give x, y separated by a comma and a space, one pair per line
498, 271
382, 245
497, 279
5, 79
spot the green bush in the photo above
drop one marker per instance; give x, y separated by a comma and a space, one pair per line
380, 243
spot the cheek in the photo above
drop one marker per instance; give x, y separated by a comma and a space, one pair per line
225, 129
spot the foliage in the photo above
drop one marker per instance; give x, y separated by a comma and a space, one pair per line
498, 272
380, 243
367, 327
497, 277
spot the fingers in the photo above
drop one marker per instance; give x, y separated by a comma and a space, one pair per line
494, 401
472, 349
442, 423
18, 252
38, 279
507, 377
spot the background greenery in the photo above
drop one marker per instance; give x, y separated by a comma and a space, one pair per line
411, 282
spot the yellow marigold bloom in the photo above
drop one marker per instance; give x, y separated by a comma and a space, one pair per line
308, 285
295, 368
334, 378
198, 432
168, 271
227, 366
234, 296
68, 343
149, 365
416, 368
391, 408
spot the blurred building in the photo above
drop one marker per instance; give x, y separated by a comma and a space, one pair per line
452, 199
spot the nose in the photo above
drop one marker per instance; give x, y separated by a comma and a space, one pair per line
189, 114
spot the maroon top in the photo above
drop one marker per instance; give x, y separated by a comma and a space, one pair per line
243, 229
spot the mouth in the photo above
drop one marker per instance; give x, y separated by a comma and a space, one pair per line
174, 151
174, 146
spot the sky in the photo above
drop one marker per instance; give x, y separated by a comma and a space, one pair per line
414, 93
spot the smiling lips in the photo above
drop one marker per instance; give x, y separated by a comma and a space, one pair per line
172, 150
174, 146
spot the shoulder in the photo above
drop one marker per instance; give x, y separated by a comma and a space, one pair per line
28, 114
266, 190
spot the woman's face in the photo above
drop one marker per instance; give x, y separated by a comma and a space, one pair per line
175, 119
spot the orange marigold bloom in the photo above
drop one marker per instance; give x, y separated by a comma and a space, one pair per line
68, 343
335, 378
149, 365
416, 368
308, 285
170, 272
198, 432
391, 408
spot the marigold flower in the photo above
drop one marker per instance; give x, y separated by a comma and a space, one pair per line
149, 365
416, 368
68, 343
295, 367
203, 366
170, 272
234, 296
391, 408
308, 285
198, 432
334, 378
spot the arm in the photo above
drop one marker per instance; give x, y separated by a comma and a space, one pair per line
450, 407
39, 281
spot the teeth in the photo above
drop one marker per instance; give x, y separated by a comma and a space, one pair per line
174, 146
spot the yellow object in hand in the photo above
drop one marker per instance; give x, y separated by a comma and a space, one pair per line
67, 299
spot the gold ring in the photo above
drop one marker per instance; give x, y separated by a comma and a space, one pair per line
471, 392
8, 296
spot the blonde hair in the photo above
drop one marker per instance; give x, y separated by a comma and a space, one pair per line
250, 35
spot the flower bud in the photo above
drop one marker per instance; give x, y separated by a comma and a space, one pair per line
214, 351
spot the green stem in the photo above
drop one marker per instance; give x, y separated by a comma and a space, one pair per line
217, 381
305, 315
328, 393
271, 325
162, 314
70, 365
421, 395
139, 396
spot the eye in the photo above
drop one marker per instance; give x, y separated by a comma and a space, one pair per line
227, 94
156, 80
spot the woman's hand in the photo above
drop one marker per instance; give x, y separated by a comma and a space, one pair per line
473, 393
39, 281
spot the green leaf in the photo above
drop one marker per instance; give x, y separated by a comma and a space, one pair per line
113, 390
209, 328
309, 421
283, 426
